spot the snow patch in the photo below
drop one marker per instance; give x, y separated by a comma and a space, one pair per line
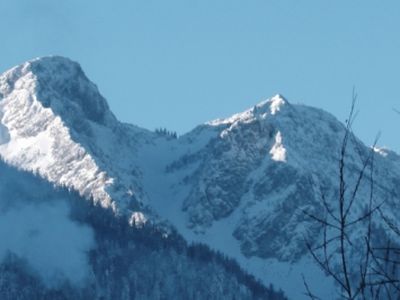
276, 103
381, 151
278, 151
246, 115
137, 219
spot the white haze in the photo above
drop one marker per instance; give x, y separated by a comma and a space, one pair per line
48, 240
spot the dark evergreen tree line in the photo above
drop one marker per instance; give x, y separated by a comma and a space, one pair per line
164, 132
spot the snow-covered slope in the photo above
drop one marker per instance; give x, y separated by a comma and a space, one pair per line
54, 122
242, 185
238, 184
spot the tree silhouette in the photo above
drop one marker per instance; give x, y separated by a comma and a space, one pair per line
363, 269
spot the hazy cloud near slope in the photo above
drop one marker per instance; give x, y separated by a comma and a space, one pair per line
52, 244
35, 225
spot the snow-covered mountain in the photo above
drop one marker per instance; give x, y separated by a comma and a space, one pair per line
56, 123
240, 184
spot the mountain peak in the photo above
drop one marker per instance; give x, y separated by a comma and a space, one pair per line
50, 113
270, 106
275, 103
54, 62
60, 84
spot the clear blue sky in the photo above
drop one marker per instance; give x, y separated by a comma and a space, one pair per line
179, 63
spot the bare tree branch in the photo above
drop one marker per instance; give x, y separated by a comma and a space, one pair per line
308, 293
375, 274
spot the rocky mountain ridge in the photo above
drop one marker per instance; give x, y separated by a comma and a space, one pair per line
238, 184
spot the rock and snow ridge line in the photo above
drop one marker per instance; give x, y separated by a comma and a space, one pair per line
54, 122
60, 107
236, 184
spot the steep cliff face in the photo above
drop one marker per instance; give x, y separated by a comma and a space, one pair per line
240, 184
54, 122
